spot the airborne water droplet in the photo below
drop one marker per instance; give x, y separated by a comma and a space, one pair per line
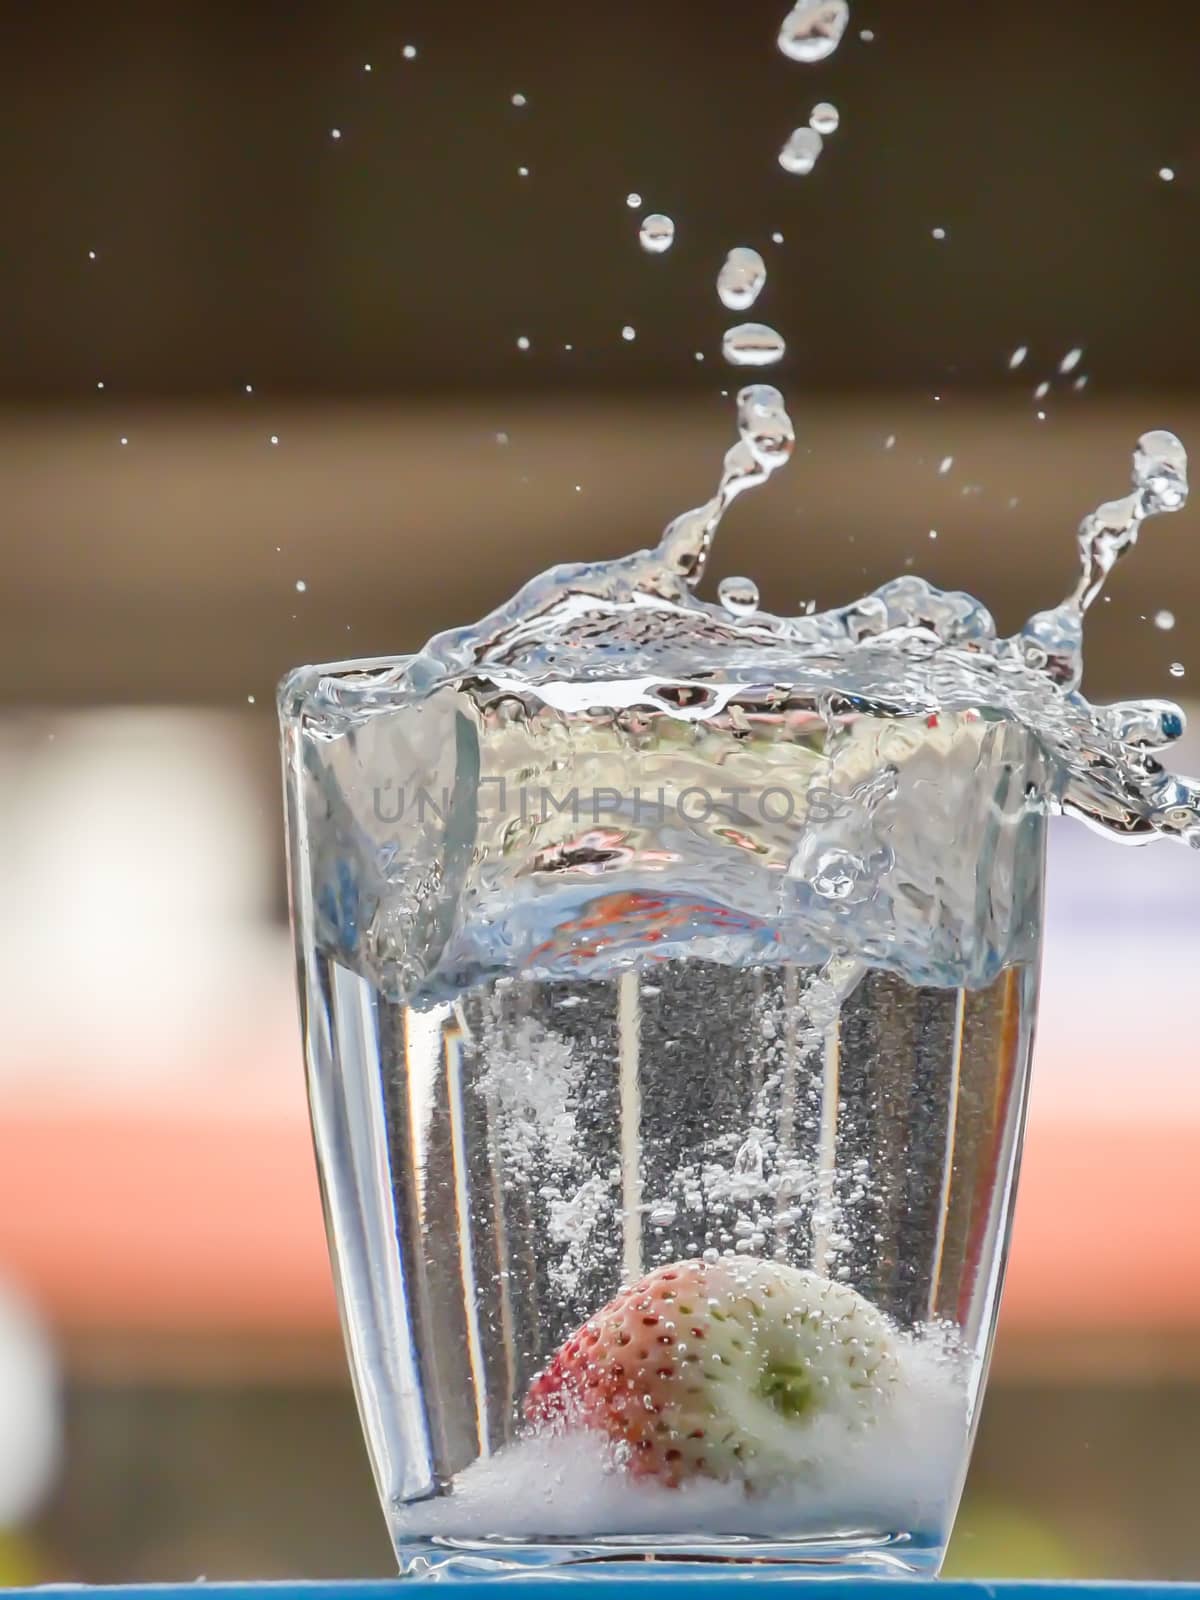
764, 425
739, 596
741, 279
825, 118
753, 344
813, 29
1071, 360
633, 200
1164, 620
1178, 670
657, 233
1017, 358
519, 100
1160, 471
629, 333
800, 154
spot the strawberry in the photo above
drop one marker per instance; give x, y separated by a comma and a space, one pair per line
718, 1369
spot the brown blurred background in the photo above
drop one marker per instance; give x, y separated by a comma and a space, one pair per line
240, 354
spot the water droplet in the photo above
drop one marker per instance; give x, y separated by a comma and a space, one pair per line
502, 437
274, 439
890, 442
633, 200
944, 467
1160, 471
91, 255
1167, 174
662, 1216
813, 29
1017, 359
1041, 416
1071, 360
409, 52
699, 355
366, 66
523, 341
824, 118
1081, 382
740, 280
939, 233
519, 99
1042, 390
764, 425
867, 35
748, 1163
1178, 670
249, 388
1164, 620
657, 233
800, 154
100, 384
335, 133
739, 596
249, 699
753, 344
933, 533
628, 333
301, 586
124, 439
522, 172
776, 238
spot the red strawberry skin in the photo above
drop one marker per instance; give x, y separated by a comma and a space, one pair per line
717, 1370
633, 1371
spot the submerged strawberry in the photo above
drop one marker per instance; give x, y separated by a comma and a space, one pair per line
719, 1370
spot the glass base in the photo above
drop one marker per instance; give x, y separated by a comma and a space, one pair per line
849, 1554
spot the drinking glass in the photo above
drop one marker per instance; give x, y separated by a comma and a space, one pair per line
667, 1062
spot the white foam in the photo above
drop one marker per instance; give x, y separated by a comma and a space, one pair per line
901, 1475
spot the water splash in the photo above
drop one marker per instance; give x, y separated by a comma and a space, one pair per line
741, 278
614, 632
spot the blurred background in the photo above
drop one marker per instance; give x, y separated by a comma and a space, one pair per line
264, 270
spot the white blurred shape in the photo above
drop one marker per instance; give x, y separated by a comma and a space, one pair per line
30, 1434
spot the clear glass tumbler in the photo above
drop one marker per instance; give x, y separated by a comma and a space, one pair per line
667, 1070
